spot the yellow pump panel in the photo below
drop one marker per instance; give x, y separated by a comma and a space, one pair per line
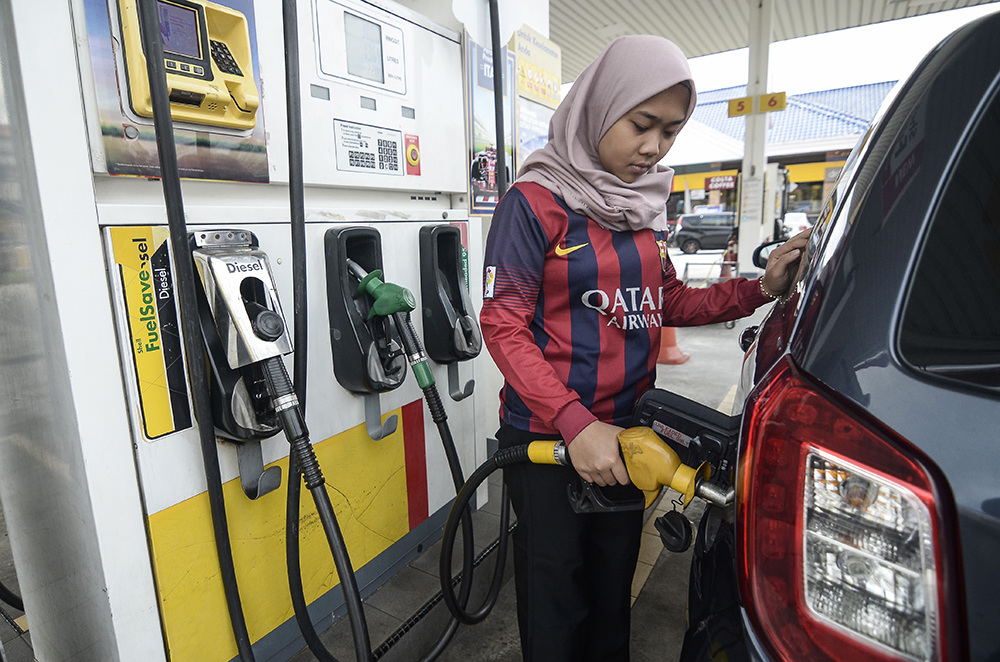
371, 510
207, 56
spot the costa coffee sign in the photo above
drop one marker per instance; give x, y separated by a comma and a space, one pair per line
720, 182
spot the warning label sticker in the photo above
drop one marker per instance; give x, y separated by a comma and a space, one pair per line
670, 433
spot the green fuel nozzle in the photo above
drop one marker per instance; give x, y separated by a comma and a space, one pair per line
388, 298
391, 299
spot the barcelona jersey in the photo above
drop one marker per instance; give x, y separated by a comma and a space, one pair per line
572, 311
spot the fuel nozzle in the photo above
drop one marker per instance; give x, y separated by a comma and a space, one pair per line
388, 298
653, 465
397, 301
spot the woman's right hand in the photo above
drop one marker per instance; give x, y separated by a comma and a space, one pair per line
595, 456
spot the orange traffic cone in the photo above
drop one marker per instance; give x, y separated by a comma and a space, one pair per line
669, 352
728, 260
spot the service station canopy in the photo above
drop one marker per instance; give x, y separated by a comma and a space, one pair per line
582, 28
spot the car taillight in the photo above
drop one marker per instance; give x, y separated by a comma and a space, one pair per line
837, 528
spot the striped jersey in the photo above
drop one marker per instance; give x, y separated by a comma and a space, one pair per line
572, 312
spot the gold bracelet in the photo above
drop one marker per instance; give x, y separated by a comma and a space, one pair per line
763, 290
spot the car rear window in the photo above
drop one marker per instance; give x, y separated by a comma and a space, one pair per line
951, 319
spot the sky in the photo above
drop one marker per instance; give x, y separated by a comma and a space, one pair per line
857, 56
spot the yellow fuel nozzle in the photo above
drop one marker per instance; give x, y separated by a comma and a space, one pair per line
653, 465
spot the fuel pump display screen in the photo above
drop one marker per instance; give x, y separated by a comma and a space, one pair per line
364, 48
179, 30
361, 47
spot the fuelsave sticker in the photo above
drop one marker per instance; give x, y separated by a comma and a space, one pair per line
142, 265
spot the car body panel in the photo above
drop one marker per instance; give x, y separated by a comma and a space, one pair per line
841, 326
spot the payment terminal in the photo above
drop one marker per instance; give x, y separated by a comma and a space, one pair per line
207, 55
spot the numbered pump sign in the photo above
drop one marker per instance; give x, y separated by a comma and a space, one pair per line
765, 103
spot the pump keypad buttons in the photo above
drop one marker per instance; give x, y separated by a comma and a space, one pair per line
224, 59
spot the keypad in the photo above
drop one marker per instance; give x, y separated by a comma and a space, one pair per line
224, 59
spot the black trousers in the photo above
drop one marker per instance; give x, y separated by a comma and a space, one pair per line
572, 573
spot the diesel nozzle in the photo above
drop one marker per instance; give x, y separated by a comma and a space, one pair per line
242, 327
240, 292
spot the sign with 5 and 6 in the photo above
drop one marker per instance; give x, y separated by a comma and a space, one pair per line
765, 103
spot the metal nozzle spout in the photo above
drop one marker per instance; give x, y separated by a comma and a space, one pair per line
714, 494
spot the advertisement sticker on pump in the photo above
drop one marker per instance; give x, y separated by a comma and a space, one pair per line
147, 316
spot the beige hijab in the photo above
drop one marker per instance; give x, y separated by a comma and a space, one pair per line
629, 71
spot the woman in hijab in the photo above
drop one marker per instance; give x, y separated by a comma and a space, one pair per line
577, 285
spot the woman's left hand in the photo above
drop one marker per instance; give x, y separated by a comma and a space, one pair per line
783, 264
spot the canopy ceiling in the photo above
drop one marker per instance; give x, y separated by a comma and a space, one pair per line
582, 28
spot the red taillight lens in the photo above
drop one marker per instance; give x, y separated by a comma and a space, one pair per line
837, 528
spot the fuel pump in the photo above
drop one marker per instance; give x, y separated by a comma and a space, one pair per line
245, 337
150, 544
243, 309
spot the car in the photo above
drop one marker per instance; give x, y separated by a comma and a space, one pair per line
709, 231
864, 521
795, 222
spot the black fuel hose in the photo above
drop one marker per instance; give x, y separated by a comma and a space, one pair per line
411, 622
9, 597
502, 458
456, 605
294, 426
296, 200
499, 71
194, 351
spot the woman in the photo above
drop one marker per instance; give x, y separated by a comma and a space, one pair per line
577, 286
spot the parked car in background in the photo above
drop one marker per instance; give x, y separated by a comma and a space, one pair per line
704, 231
795, 222
866, 519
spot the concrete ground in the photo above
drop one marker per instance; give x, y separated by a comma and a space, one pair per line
660, 586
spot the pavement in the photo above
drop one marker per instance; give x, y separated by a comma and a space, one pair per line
659, 589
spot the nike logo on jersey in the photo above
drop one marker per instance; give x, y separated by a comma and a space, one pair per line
563, 252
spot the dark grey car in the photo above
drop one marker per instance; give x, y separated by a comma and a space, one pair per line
711, 230
866, 522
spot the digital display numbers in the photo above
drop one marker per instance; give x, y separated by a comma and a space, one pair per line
179, 30
364, 48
